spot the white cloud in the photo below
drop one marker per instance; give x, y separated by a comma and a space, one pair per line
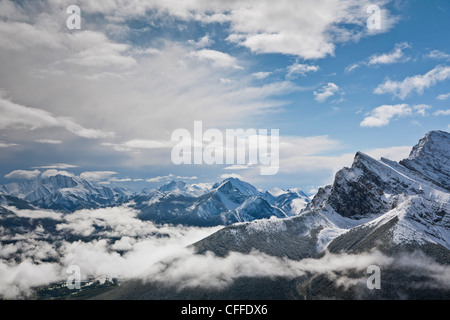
49, 141
422, 109
261, 75
438, 55
352, 67
382, 115
53, 172
231, 175
170, 177
23, 174
187, 178
18, 279
94, 49
237, 167
217, 58
391, 153
396, 55
15, 116
57, 166
6, 145
96, 175
36, 213
300, 69
139, 144
325, 92
307, 29
160, 178
443, 96
418, 83
140, 94
203, 42
441, 112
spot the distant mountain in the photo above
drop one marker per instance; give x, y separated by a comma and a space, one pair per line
177, 202
292, 201
62, 193
395, 208
227, 202
181, 187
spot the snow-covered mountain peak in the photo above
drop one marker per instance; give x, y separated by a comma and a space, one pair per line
61, 192
431, 158
434, 143
173, 186
181, 188
235, 183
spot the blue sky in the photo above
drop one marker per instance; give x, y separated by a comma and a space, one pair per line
101, 102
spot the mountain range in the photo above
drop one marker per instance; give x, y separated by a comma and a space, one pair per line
400, 209
176, 202
395, 211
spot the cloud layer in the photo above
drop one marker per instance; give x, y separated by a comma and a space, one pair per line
112, 242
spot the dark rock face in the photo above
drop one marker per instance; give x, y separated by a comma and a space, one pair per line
358, 191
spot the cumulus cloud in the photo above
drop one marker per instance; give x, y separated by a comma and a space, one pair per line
23, 174
308, 29
382, 115
417, 83
217, 58
300, 69
396, 55
325, 92
203, 42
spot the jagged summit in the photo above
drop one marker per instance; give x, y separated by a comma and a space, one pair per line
431, 157
235, 183
173, 185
